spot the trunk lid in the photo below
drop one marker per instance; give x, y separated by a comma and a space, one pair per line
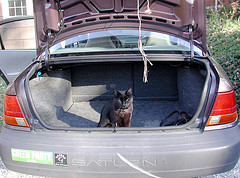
57, 20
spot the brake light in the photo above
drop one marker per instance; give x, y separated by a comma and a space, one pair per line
13, 114
224, 110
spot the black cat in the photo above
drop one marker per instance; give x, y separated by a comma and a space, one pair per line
118, 112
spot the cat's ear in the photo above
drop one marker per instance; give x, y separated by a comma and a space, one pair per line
116, 93
129, 92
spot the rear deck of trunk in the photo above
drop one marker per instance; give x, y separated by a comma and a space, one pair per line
74, 96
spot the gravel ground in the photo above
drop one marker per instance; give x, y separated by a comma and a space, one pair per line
10, 174
234, 173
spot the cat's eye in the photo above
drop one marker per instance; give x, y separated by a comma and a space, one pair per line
126, 99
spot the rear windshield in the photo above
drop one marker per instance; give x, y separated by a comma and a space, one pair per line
121, 40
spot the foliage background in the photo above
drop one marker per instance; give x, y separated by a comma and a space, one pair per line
223, 39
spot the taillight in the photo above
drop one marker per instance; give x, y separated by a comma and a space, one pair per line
224, 110
13, 114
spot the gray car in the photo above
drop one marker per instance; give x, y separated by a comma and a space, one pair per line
184, 121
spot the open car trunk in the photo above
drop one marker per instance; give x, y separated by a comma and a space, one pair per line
73, 96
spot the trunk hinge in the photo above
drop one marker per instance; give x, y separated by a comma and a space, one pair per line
47, 51
51, 35
190, 30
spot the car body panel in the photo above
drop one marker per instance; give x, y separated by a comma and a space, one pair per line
65, 19
13, 62
18, 45
176, 151
107, 154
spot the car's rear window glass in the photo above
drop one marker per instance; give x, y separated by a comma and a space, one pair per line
120, 40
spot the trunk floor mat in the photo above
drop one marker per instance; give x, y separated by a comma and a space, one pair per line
87, 114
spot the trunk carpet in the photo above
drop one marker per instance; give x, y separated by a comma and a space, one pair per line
87, 114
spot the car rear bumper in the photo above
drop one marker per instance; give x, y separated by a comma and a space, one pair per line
149, 154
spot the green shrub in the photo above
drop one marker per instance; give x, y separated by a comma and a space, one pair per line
231, 9
223, 39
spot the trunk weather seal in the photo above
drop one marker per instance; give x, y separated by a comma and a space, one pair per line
120, 58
